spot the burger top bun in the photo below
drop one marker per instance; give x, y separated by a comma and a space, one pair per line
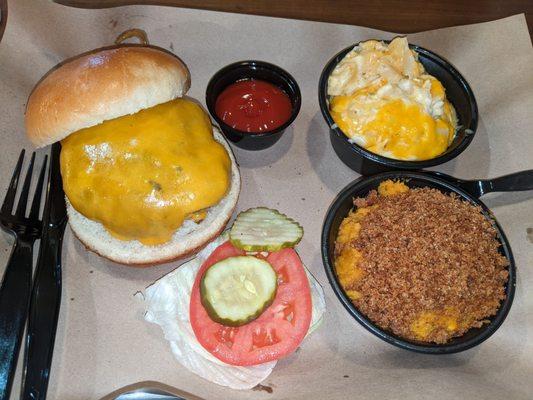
102, 85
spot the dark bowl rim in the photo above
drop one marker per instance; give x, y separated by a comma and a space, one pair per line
295, 100
391, 162
485, 332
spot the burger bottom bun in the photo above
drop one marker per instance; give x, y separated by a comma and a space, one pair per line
186, 241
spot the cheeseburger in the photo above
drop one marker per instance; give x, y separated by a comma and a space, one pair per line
147, 178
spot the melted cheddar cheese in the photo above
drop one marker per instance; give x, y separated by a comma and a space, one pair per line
142, 175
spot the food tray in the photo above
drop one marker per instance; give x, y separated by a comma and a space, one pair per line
102, 341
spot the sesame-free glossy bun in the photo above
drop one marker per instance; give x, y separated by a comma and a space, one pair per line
102, 85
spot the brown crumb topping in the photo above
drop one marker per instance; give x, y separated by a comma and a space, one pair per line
420, 263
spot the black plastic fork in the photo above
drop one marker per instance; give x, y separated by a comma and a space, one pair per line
16, 284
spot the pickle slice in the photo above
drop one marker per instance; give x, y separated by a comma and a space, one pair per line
237, 290
264, 229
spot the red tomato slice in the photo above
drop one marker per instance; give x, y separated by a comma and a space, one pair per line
276, 333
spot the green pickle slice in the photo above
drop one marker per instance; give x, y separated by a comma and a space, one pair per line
237, 290
264, 229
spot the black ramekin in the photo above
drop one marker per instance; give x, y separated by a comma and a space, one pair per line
340, 208
458, 93
252, 70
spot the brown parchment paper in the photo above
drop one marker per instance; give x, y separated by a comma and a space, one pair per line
102, 341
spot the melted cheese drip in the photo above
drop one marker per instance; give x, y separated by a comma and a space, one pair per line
142, 175
383, 100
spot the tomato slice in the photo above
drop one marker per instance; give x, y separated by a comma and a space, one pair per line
276, 333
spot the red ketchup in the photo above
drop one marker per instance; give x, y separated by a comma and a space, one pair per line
253, 106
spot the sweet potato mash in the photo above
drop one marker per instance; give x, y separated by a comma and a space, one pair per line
420, 263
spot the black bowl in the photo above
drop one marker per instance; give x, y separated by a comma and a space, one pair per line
458, 93
339, 209
252, 70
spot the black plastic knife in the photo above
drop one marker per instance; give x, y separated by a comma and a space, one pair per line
46, 292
